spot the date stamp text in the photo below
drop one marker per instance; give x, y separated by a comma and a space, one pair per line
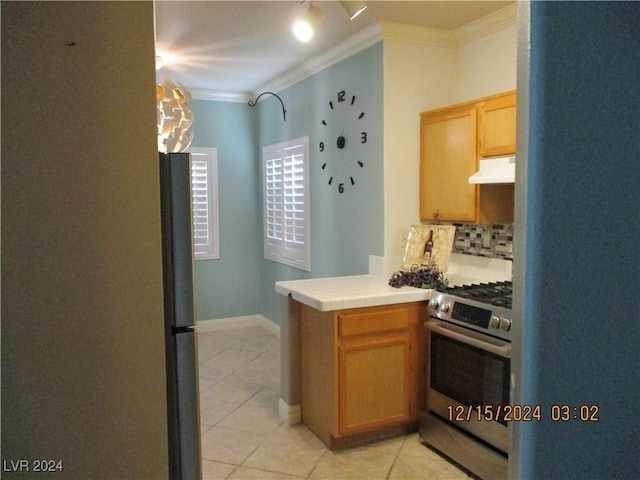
522, 413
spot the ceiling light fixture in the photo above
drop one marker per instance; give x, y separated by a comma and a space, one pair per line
174, 117
354, 9
305, 26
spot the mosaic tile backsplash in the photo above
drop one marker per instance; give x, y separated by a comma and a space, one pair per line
494, 241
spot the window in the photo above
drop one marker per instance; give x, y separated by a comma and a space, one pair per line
204, 201
286, 203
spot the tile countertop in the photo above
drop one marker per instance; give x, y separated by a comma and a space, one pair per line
337, 293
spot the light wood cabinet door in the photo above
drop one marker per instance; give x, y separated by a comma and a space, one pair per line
447, 160
373, 383
452, 140
497, 126
361, 370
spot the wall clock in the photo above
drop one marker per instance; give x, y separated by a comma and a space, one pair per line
342, 133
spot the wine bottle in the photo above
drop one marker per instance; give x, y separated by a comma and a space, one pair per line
428, 250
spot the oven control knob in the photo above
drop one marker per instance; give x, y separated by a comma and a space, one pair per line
444, 307
494, 322
434, 303
505, 324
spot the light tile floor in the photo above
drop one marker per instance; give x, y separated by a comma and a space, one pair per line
244, 438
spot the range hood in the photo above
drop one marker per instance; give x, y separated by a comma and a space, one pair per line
495, 170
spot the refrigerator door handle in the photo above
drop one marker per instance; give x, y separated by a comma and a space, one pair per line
176, 330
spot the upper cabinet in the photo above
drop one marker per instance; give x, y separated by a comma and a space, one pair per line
497, 126
452, 140
447, 160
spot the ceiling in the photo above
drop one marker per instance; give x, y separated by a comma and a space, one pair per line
236, 47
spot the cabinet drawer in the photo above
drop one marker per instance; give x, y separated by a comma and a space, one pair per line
374, 322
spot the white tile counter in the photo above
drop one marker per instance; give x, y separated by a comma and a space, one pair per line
337, 293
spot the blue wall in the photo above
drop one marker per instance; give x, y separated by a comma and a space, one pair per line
228, 287
346, 228
581, 305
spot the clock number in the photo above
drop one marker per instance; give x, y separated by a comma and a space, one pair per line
341, 96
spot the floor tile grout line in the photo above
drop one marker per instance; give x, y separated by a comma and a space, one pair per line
263, 441
317, 463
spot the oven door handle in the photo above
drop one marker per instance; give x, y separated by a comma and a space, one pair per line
439, 328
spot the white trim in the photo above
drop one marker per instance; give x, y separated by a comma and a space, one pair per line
287, 203
354, 44
369, 36
289, 414
239, 322
203, 94
400, 32
488, 24
211, 249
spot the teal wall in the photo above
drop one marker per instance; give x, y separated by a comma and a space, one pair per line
228, 287
579, 242
346, 228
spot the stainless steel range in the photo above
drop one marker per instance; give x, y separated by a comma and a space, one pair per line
468, 376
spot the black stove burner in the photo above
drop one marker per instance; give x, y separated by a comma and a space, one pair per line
495, 293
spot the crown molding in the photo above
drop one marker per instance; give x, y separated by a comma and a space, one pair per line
354, 44
400, 32
203, 94
488, 24
369, 36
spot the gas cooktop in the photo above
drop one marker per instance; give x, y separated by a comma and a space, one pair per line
498, 294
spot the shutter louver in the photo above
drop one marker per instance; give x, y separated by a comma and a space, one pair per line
204, 203
200, 202
286, 204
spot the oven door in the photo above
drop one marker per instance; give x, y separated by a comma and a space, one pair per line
468, 370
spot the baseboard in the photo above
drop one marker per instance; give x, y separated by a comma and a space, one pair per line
239, 322
289, 414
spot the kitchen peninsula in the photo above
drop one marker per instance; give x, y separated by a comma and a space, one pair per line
360, 350
352, 348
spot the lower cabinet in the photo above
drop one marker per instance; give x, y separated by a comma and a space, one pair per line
361, 371
372, 383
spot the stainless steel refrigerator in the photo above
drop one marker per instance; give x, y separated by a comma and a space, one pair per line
180, 318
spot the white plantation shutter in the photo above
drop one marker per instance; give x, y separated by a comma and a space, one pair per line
200, 202
204, 203
286, 204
